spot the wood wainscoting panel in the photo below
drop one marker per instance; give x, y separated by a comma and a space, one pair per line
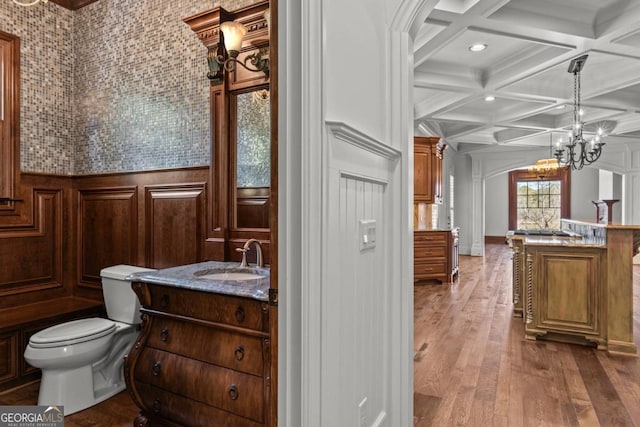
32, 254
107, 231
175, 219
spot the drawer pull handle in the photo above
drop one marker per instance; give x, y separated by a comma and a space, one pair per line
155, 370
164, 301
164, 334
239, 353
233, 392
156, 406
240, 314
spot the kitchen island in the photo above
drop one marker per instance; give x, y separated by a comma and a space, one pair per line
578, 289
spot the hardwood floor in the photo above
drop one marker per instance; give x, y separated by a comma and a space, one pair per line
119, 411
473, 367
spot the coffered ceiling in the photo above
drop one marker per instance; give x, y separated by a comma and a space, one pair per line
529, 44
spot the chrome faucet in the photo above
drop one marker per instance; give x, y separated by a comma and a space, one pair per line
246, 248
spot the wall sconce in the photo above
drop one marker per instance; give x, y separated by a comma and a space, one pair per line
224, 56
29, 2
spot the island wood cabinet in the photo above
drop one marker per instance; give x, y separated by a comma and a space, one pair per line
518, 277
435, 254
427, 169
202, 359
565, 293
578, 289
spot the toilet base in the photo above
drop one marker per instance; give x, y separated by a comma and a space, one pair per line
80, 388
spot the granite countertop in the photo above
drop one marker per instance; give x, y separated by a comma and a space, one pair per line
559, 241
190, 277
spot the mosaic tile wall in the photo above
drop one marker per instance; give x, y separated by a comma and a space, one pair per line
116, 86
46, 60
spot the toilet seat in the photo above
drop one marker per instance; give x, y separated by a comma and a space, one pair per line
73, 332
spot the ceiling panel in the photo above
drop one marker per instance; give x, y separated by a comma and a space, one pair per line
529, 47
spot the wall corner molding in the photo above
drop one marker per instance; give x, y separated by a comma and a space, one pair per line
353, 136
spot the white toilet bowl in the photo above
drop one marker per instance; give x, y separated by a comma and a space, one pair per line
82, 360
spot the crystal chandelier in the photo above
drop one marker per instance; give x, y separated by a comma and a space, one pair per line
578, 152
29, 2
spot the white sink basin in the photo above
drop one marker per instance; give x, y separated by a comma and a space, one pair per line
232, 275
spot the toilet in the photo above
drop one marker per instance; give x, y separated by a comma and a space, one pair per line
82, 360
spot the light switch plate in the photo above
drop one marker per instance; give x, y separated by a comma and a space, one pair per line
367, 234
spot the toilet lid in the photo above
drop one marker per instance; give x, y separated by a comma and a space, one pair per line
73, 332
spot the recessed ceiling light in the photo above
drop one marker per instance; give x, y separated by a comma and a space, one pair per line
478, 47
489, 98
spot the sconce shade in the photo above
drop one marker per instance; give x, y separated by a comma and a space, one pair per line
233, 32
29, 2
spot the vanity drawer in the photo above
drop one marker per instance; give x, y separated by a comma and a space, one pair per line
243, 312
187, 412
214, 345
232, 391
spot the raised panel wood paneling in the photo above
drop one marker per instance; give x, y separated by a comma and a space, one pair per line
107, 230
219, 171
31, 256
567, 293
174, 217
422, 176
252, 208
8, 361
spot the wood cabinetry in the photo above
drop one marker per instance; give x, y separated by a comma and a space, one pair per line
427, 169
578, 289
564, 293
202, 359
518, 277
235, 212
435, 255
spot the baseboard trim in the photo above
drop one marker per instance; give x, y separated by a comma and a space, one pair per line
498, 240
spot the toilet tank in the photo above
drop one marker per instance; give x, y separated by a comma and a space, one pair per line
121, 302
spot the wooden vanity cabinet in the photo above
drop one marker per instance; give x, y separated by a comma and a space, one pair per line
427, 169
202, 359
435, 254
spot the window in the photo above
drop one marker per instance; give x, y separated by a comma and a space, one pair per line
538, 203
